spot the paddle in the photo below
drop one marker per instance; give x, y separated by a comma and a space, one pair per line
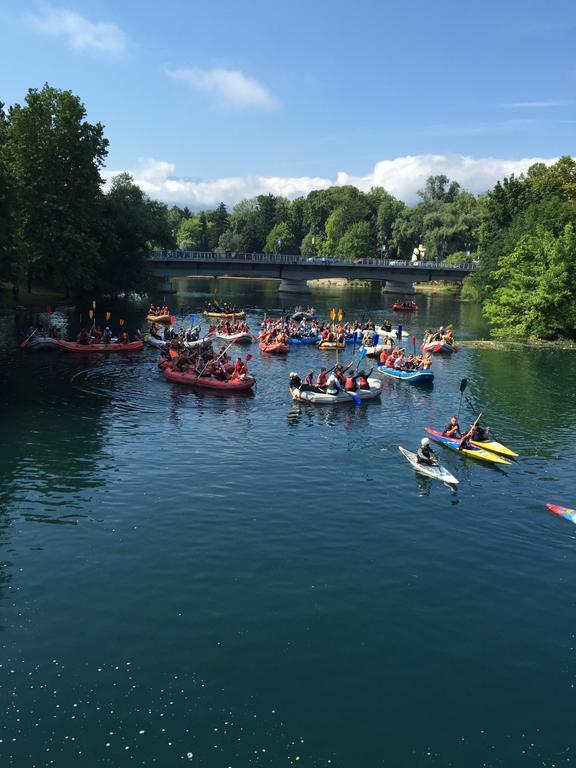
414, 343
121, 322
172, 319
34, 332
463, 385
108, 315
217, 358
462, 446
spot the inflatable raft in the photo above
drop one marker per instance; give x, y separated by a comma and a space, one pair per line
240, 313
72, 346
276, 348
415, 377
439, 346
158, 318
322, 398
331, 345
405, 306
153, 341
239, 338
207, 382
39, 342
303, 339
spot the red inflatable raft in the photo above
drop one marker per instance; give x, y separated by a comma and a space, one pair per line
275, 348
188, 377
72, 346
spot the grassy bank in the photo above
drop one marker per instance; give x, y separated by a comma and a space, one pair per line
505, 345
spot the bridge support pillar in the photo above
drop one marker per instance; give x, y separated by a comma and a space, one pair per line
165, 285
392, 286
294, 286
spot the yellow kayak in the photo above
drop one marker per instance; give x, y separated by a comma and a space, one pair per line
158, 318
494, 446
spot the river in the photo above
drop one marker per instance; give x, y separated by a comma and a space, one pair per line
214, 581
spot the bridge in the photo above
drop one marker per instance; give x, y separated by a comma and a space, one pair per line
293, 272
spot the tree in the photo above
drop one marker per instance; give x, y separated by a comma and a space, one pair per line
439, 189
8, 269
219, 221
132, 226
54, 155
189, 234
280, 240
357, 242
536, 287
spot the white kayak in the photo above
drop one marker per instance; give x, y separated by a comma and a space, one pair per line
322, 398
239, 338
437, 472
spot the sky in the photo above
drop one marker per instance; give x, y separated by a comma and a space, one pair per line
210, 101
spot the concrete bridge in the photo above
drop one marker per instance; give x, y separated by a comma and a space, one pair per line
293, 272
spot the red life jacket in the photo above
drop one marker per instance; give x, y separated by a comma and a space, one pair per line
350, 384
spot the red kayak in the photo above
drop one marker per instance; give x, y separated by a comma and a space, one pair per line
72, 346
276, 348
569, 514
208, 382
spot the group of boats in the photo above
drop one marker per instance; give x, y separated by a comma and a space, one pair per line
188, 358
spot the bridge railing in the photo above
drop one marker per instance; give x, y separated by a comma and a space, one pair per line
275, 258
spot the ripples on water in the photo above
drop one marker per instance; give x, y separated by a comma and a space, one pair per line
241, 580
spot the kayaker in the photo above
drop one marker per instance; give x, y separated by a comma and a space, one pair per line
478, 433
452, 429
295, 380
425, 454
240, 368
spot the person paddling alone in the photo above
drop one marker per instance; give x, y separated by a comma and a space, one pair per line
425, 454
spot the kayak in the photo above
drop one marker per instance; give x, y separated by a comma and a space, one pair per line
303, 339
330, 345
39, 342
208, 382
323, 398
153, 341
240, 313
473, 452
439, 346
276, 348
416, 377
437, 472
494, 446
239, 338
72, 346
158, 318
569, 514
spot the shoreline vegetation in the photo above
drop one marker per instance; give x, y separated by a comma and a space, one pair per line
509, 344
60, 227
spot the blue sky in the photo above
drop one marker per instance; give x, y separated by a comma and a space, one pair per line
222, 100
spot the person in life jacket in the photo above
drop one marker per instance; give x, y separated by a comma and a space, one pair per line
350, 383
322, 379
240, 368
425, 454
363, 379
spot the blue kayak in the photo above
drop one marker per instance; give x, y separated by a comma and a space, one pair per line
303, 340
416, 377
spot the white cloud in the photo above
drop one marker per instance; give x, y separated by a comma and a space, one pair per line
402, 177
537, 104
230, 87
80, 33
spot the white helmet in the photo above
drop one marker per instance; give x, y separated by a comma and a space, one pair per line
424, 442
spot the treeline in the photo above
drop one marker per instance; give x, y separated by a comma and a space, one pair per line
526, 276
340, 221
57, 225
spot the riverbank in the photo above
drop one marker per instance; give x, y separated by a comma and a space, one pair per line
506, 345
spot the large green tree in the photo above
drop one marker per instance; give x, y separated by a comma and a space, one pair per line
280, 240
55, 155
535, 292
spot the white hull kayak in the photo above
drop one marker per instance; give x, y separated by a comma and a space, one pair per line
239, 338
322, 398
435, 472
